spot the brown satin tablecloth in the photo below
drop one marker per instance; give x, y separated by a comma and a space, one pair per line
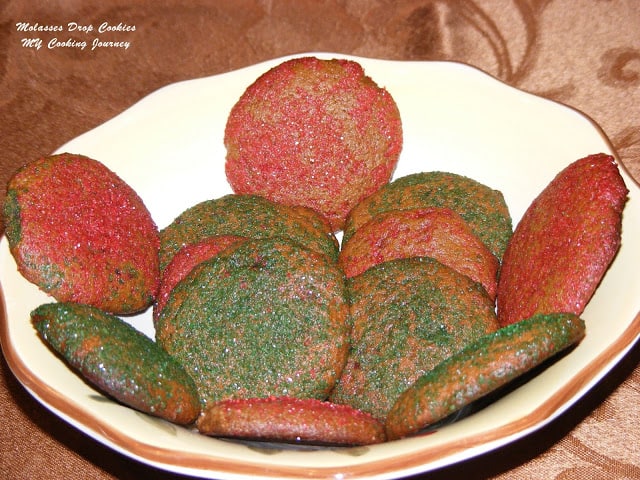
585, 53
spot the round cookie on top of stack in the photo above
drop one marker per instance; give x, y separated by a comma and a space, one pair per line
316, 133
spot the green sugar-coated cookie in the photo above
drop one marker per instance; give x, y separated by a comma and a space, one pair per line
266, 318
480, 368
247, 216
119, 360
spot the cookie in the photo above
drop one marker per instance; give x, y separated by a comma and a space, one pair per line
267, 318
119, 360
434, 232
293, 420
408, 315
480, 368
564, 243
81, 234
249, 216
482, 207
316, 133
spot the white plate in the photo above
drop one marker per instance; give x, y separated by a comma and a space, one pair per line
456, 118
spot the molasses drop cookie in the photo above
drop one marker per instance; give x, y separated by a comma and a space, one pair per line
316, 133
564, 243
81, 234
480, 368
482, 207
293, 420
119, 360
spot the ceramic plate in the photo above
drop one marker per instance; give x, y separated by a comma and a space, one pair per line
169, 147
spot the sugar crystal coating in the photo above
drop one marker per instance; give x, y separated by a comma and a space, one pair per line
312, 132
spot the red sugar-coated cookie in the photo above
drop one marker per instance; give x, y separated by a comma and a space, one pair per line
564, 243
316, 133
293, 420
435, 232
81, 234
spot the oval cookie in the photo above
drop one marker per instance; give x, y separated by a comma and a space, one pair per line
82, 234
564, 243
480, 368
294, 420
119, 360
